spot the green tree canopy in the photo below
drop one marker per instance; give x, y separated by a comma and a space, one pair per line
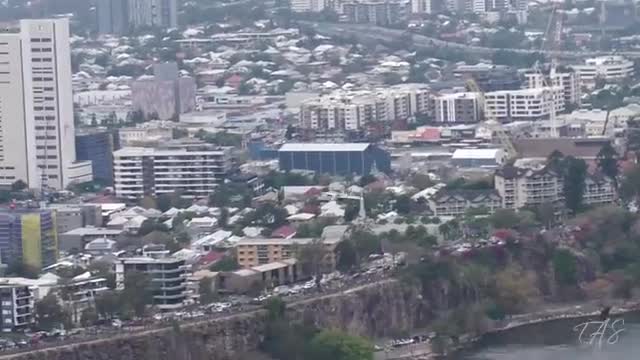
336, 345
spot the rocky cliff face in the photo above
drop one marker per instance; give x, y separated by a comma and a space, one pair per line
377, 309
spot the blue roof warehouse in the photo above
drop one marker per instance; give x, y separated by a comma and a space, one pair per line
334, 159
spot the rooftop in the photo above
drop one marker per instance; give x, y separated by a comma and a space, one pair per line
90, 230
324, 147
476, 153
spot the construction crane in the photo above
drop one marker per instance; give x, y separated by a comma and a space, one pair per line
551, 40
492, 123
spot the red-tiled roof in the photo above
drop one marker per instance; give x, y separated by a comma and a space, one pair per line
284, 231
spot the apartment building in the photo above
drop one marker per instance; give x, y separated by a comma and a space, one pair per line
463, 107
598, 189
457, 202
194, 169
609, 68
167, 275
37, 139
302, 6
523, 104
252, 252
153, 13
112, 16
376, 12
520, 187
568, 80
353, 110
16, 302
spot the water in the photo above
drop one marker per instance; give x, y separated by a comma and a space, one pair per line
559, 341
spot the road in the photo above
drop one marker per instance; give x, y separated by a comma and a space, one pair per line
371, 32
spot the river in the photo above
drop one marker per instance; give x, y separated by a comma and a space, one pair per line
558, 340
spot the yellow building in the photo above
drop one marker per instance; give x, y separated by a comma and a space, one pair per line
29, 238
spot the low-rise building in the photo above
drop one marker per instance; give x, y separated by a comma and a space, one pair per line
334, 159
193, 169
73, 216
478, 158
456, 202
258, 277
78, 238
167, 275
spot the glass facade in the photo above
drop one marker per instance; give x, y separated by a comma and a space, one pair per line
97, 147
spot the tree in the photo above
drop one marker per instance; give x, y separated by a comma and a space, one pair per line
565, 267
346, 256
630, 185
108, 304
227, 263
574, 182
504, 219
205, 288
311, 257
164, 202
137, 293
103, 269
365, 243
333, 344
420, 181
514, 290
607, 160
50, 314
88, 317
403, 204
148, 202
18, 185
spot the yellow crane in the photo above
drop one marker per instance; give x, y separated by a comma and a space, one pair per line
492, 123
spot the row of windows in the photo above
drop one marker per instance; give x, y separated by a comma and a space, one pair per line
40, 108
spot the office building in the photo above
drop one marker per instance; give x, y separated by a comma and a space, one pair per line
28, 237
354, 110
16, 301
608, 68
193, 169
97, 146
524, 104
165, 95
381, 12
112, 16
461, 107
334, 159
153, 13
37, 141
168, 279
568, 80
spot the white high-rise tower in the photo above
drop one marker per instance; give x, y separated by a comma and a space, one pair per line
37, 134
